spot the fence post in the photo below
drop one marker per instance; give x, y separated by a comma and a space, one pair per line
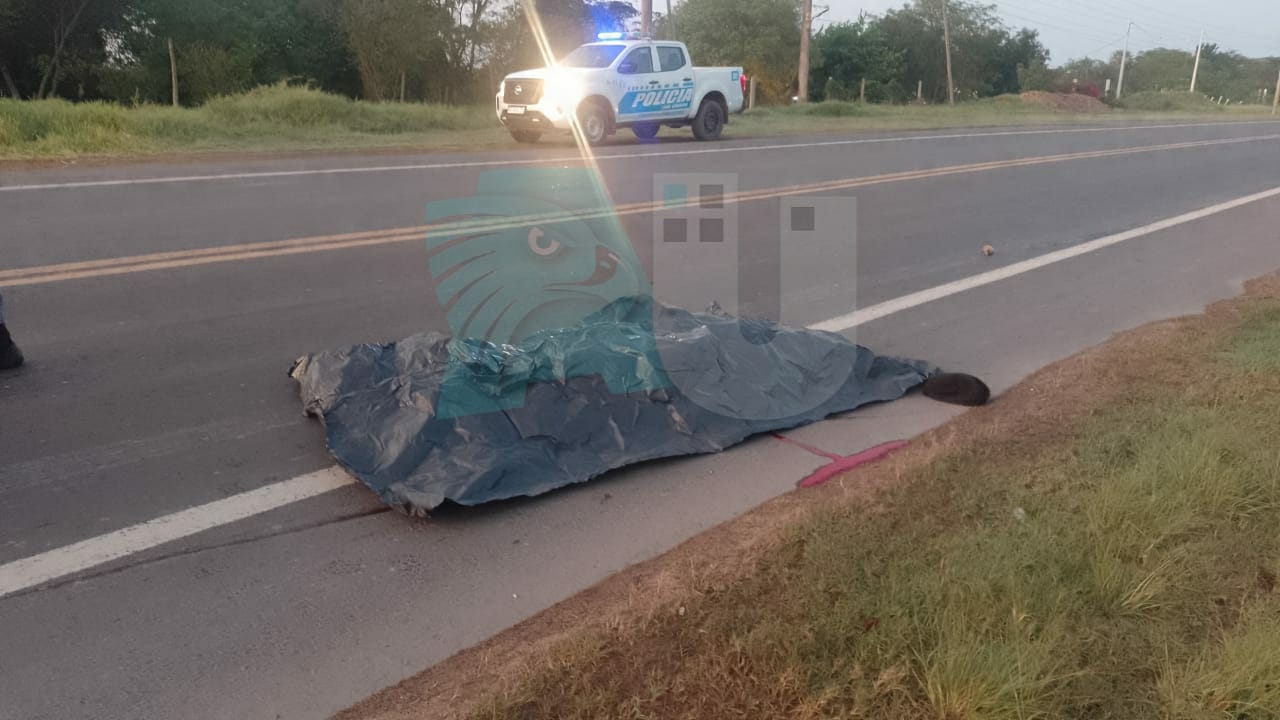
862, 91
751, 101
173, 72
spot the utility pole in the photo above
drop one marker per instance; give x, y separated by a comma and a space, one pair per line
173, 72
1275, 103
671, 23
1195, 72
946, 39
806, 27
646, 16
1124, 60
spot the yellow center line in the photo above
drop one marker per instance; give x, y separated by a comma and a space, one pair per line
275, 248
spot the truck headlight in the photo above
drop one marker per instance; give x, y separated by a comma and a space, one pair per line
561, 91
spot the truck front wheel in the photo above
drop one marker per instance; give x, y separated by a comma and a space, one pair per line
594, 121
709, 121
526, 136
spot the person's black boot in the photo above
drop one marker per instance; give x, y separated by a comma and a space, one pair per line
10, 355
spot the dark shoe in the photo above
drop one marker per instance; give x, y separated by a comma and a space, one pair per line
957, 389
10, 355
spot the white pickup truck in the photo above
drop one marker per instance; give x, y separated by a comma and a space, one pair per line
621, 81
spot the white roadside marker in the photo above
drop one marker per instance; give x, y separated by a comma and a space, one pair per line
37, 570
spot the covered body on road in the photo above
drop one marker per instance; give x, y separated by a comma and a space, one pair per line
430, 418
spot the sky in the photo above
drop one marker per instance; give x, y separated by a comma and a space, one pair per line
1095, 28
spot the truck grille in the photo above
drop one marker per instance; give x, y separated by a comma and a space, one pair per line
522, 91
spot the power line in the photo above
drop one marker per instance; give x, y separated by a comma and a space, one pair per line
1077, 31
1111, 44
1163, 38
1162, 28
1103, 10
1037, 15
1084, 22
1221, 31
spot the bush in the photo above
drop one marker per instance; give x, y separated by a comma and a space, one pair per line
301, 107
206, 72
1037, 76
835, 90
60, 127
1090, 88
832, 108
1167, 101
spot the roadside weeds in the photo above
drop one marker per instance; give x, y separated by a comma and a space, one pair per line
1099, 542
281, 119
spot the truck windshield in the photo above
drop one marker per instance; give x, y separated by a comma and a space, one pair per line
592, 56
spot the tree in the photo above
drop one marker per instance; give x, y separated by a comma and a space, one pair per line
507, 41
389, 38
1037, 76
1008, 52
1159, 69
226, 45
845, 54
45, 42
1089, 70
986, 54
763, 36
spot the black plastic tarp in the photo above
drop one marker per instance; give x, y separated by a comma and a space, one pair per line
429, 419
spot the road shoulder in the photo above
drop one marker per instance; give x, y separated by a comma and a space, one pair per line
1047, 407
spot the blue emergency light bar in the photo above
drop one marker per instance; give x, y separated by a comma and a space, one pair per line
622, 36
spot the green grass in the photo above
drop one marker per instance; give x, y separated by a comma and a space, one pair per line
1179, 102
1257, 349
994, 112
268, 118
1126, 569
282, 118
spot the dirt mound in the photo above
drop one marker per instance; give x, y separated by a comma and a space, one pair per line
1064, 102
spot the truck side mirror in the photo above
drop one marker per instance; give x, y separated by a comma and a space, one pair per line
627, 68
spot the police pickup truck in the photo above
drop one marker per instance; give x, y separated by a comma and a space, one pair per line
622, 81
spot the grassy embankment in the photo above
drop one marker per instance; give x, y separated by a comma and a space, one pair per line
281, 118
1100, 543
1121, 566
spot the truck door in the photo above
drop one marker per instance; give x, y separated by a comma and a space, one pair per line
677, 75
649, 94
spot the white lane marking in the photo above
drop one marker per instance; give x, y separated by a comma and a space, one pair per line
599, 158
36, 570
916, 299
33, 571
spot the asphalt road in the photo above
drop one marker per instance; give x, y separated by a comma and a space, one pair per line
156, 391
